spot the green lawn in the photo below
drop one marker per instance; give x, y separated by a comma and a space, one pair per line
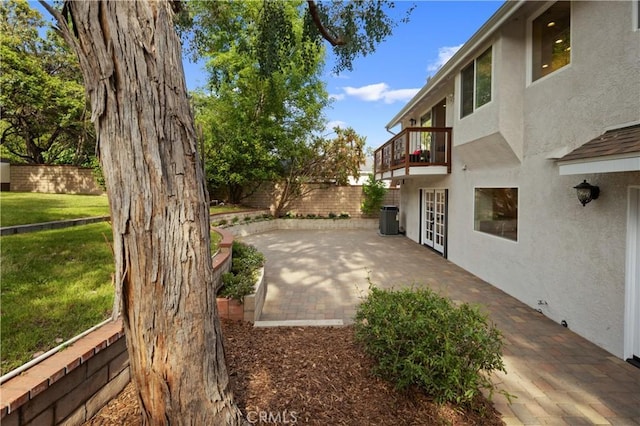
55, 285
21, 208
227, 209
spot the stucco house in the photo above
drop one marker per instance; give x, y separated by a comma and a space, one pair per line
543, 97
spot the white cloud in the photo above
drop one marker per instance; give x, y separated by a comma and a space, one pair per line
380, 91
444, 54
372, 92
337, 96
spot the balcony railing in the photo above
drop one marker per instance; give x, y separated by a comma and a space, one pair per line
414, 147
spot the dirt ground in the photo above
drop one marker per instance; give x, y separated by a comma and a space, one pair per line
310, 376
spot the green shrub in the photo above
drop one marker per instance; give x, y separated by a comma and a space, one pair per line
245, 263
419, 338
332, 215
373, 192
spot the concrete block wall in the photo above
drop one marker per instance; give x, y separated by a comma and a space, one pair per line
53, 179
320, 201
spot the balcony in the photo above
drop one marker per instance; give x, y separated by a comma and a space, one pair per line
415, 151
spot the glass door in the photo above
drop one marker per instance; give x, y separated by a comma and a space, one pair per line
428, 216
434, 217
439, 220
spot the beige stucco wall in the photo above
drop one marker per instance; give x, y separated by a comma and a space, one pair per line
570, 256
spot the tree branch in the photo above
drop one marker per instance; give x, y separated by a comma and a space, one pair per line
315, 15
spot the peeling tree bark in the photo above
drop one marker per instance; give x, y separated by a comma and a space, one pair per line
130, 57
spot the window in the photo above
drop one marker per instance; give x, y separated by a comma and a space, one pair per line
496, 212
551, 40
476, 84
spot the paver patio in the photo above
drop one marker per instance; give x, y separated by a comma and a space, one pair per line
558, 377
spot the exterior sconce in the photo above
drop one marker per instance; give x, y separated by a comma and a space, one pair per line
412, 122
587, 192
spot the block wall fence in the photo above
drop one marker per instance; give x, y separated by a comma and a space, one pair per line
321, 200
79, 180
53, 179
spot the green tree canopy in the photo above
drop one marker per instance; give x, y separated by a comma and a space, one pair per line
41, 92
251, 120
321, 161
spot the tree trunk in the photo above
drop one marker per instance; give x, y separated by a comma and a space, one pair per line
131, 62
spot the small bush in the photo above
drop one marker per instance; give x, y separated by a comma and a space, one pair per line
344, 215
332, 215
373, 192
235, 219
245, 263
419, 338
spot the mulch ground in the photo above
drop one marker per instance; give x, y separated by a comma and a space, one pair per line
315, 376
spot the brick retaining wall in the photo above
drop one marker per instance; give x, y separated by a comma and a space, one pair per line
70, 386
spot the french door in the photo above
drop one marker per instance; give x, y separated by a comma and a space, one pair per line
434, 218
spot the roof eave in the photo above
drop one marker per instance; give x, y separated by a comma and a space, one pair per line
487, 30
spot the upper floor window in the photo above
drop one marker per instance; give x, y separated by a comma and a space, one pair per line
551, 40
476, 83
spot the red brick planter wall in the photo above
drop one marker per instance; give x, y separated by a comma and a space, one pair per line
70, 386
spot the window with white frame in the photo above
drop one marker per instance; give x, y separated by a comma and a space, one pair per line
551, 40
496, 212
475, 81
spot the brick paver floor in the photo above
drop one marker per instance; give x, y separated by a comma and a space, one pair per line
558, 377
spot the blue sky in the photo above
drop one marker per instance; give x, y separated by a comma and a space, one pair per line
380, 84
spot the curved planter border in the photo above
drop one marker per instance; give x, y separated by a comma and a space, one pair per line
251, 306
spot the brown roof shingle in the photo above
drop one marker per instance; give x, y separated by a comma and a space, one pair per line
625, 140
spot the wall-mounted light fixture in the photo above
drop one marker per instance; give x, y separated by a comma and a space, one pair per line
587, 192
412, 122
